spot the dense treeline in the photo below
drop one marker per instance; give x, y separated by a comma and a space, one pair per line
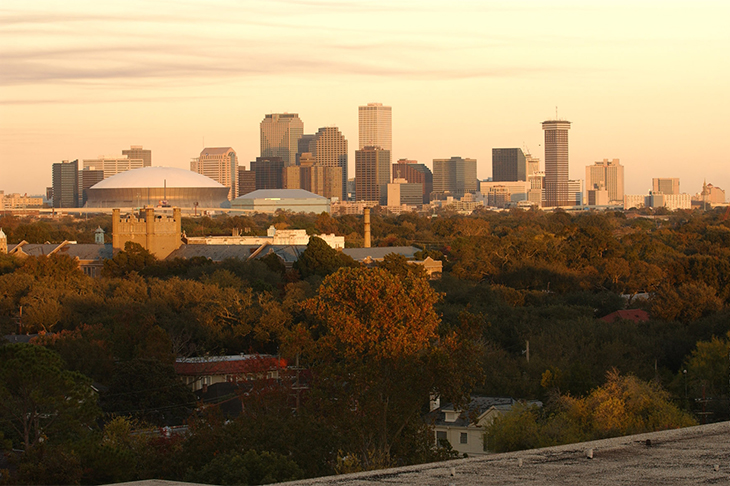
366, 335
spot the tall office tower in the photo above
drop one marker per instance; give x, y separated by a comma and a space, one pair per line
246, 181
303, 145
608, 175
113, 165
372, 175
455, 176
269, 172
665, 185
556, 163
66, 184
376, 127
221, 165
138, 152
329, 148
415, 173
87, 178
280, 134
508, 164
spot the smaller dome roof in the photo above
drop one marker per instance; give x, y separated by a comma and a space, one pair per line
280, 194
156, 177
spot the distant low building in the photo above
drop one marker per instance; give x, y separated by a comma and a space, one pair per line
273, 237
19, 201
272, 200
199, 373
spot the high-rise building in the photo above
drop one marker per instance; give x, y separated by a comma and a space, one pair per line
415, 173
401, 192
87, 178
607, 175
113, 165
455, 176
138, 152
329, 148
221, 165
372, 174
508, 164
280, 134
375, 127
269, 172
556, 163
246, 181
665, 185
66, 184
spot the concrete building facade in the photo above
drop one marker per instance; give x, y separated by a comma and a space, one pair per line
403, 193
88, 178
375, 127
139, 152
455, 176
280, 134
415, 173
508, 164
555, 192
113, 165
66, 184
665, 185
221, 165
372, 174
606, 175
329, 149
269, 172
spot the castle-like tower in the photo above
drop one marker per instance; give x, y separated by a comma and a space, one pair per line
161, 235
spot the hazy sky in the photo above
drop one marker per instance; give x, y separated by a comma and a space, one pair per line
644, 82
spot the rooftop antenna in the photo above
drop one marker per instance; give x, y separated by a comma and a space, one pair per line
556, 113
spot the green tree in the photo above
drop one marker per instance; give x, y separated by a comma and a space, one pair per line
149, 390
134, 258
40, 398
321, 259
250, 467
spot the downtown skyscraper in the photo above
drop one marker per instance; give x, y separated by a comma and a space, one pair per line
372, 174
556, 164
280, 134
375, 127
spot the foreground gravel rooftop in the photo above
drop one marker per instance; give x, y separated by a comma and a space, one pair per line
694, 455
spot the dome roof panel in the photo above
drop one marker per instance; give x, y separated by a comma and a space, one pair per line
156, 177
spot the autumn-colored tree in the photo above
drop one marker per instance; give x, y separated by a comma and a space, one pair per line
624, 405
375, 358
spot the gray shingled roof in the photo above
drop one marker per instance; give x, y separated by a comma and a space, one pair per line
378, 253
477, 406
217, 253
80, 251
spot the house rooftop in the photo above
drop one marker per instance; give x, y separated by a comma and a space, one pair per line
693, 455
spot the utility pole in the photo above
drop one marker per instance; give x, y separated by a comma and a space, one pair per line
526, 351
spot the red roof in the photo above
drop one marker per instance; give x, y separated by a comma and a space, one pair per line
636, 315
228, 365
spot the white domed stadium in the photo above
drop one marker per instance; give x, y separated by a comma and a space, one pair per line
157, 186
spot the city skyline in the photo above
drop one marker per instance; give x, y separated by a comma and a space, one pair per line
625, 74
